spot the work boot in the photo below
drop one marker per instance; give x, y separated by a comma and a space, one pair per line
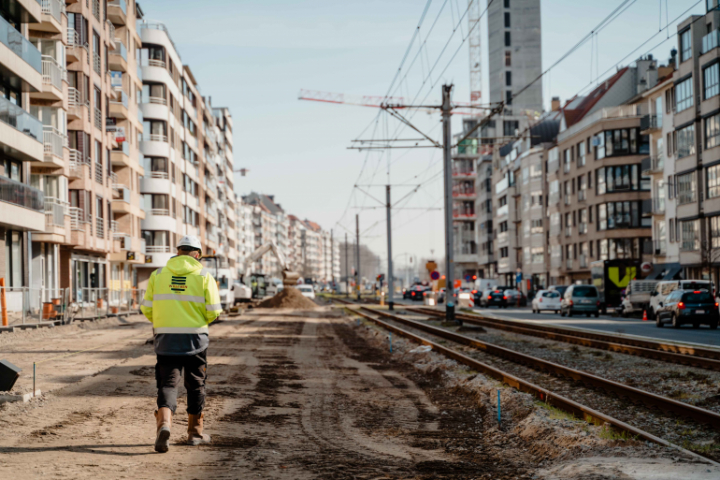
195, 428
164, 422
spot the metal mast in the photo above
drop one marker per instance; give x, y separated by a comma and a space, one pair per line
474, 14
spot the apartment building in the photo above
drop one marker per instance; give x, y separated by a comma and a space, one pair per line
595, 172
521, 229
515, 55
266, 217
21, 140
245, 234
695, 143
660, 167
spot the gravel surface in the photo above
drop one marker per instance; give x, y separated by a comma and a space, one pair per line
671, 380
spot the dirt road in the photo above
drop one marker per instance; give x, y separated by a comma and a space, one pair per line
291, 395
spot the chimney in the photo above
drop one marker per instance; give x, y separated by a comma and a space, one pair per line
555, 104
673, 57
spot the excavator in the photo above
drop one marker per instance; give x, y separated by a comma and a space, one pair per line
244, 291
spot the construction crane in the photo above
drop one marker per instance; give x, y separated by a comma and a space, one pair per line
244, 292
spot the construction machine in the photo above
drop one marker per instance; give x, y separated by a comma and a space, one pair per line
245, 291
223, 277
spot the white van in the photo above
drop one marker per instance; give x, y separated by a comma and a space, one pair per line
664, 288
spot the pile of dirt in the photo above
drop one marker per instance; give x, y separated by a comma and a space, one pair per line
288, 298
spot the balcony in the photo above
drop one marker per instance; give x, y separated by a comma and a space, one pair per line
98, 119
52, 12
96, 9
23, 206
119, 108
710, 41
659, 248
117, 11
658, 206
78, 219
29, 70
164, 212
653, 165
78, 107
650, 123
100, 227
464, 215
686, 197
111, 33
54, 143
459, 173
623, 111
75, 48
120, 157
52, 77
14, 119
55, 212
689, 245
117, 59
157, 249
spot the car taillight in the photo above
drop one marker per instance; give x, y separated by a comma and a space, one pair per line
696, 291
424, 294
413, 294
540, 300
489, 297
598, 303
474, 292
681, 306
570, 302
716, 305
504, 297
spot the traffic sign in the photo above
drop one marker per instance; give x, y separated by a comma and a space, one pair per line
468, 278
435, 275
518, 277
458, 283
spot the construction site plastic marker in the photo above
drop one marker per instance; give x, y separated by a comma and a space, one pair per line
390, 341
499, 414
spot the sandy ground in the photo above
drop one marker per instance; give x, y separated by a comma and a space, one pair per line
291, 395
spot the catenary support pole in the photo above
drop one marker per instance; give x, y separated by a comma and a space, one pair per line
447, 170
347, 268
357, 254
391, 285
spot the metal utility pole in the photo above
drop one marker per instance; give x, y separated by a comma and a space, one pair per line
447, 169
357, 254
347, 268
332, 258
389, 240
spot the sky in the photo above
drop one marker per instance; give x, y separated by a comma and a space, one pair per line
254, 56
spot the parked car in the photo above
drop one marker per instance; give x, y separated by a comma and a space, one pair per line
559, 288
666, 287
416, 292
514, 297
546, 300
580, 299
693, 307
307, 291
495, 298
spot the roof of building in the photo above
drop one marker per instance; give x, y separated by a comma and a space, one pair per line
312, 225
577, 107
266, 201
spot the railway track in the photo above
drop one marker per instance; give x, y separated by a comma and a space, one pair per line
619, 395
667, 352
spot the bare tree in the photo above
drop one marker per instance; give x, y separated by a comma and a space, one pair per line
709, 256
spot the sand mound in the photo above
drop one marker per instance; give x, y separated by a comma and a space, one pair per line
289, 298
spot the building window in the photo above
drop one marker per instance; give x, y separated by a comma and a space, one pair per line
685, 142
712, 80
507, 3
685, 46
11, 169
507, 19
686, 188
581, 154
672, 230
507, 39
504, 252
715, 232
616, 215
712, 4
14, 258
508, 58
713, 181
510, 127
508, 97
712, 131
684, 95
508, 79
620, 178
689, 235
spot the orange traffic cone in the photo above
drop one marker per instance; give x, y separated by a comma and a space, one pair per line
645, 316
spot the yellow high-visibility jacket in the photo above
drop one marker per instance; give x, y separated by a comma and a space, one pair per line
181, 300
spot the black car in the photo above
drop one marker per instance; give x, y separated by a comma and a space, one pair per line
693, 307
496, 298
415, 292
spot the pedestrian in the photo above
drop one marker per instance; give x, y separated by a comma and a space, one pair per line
181, 300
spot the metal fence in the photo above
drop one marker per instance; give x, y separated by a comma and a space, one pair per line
28, 306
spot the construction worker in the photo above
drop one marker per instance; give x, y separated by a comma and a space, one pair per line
181, 300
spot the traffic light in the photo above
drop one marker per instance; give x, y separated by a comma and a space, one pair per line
381, 277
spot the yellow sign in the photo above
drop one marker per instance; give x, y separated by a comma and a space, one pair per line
614, 276
431, 266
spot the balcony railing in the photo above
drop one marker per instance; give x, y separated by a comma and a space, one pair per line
100, 227
96, 63
157, 100
157, 249
54, 141
689, 245
659, 247
123, 100
99, 173
710, 41
686, 197
111, 30
78, 220
159, 175
20, 119
650, 122
20, 194
55, 212
52, 72
96, 9
75, 98
158, 138
98, 118
114, 227
20, 45
119, 49
113, 181
658, 206
54, 8
160, 211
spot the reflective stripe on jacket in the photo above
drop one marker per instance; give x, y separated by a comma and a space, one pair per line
181, 298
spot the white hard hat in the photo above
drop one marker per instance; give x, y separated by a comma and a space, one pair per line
190, 241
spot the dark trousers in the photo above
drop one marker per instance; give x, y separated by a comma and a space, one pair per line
169, 370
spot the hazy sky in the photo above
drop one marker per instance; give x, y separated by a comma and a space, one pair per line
254, 56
